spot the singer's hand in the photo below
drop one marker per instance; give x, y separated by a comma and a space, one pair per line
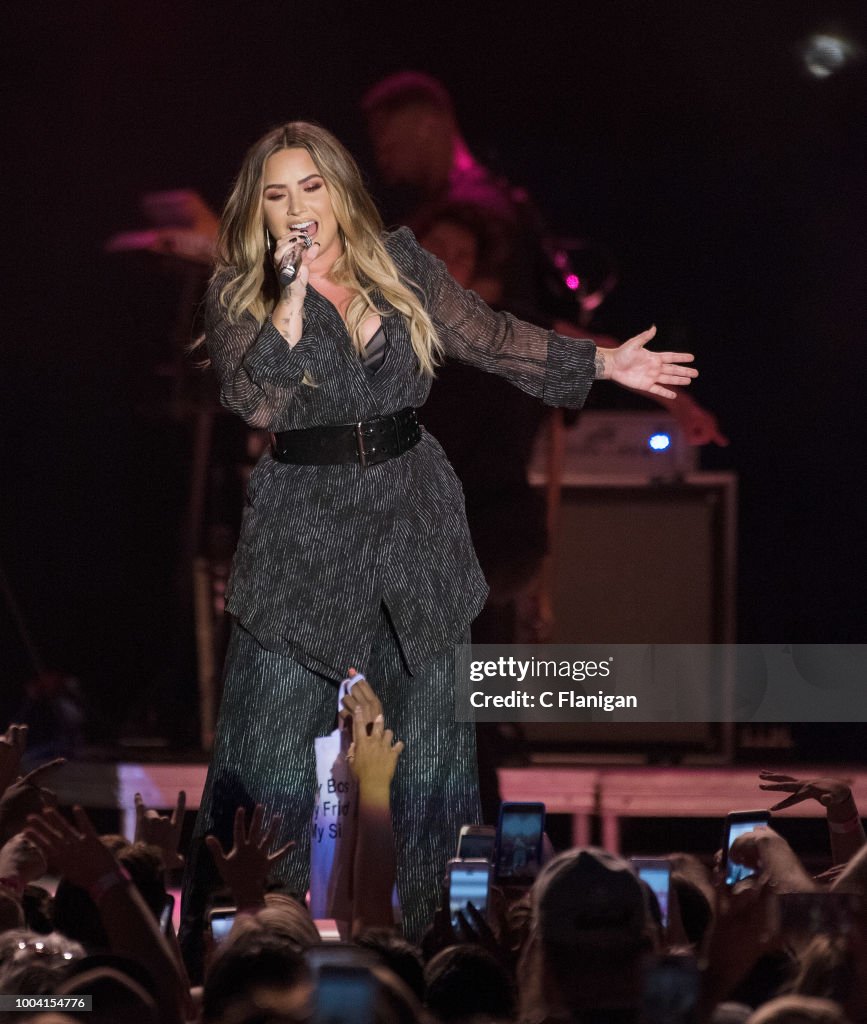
633, 366
284, 248
287, 315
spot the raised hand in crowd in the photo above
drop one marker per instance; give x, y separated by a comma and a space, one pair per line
21, 862
12, 745
835, 795
690, 905
78, 854
851, 877
372, 757
162, 831
828, 792
744, 930
471, 927
26, 796
768, 854
245, 868
360, 696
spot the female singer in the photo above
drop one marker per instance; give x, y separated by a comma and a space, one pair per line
354, 549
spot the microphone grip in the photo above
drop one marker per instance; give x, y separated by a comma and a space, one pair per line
292, 261
290, 265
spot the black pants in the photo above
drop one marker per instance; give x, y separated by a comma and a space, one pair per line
273, 708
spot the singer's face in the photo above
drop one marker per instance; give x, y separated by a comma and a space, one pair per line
296, 199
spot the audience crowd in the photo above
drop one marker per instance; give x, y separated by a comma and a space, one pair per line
587, 942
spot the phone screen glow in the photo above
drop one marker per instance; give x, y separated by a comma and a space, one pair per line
468, 885
657, 879
737, 872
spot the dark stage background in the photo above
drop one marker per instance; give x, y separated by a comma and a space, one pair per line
686, 137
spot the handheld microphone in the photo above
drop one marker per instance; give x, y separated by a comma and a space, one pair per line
292, 261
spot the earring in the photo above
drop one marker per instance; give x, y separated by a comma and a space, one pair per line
269, 242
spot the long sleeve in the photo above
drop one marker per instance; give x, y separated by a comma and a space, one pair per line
556, 369
257, 369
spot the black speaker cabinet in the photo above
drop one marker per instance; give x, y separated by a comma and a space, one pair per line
642, 562
645, 563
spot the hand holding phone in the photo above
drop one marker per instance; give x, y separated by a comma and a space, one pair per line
519, 842
166, 914
468, 881
476, 841
737, 824
220, 921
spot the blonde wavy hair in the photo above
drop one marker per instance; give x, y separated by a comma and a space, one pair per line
364, 266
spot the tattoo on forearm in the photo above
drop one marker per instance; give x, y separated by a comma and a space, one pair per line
600, 365
284, 321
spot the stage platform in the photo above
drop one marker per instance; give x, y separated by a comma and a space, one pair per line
609, 794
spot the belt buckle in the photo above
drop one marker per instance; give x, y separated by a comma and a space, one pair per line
359, 444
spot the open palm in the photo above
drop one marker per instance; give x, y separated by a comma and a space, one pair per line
633, 366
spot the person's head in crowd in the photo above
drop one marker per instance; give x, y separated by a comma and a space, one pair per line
259, 980
145, 866
694, 895
395, 1003
411, 122
828, 969
730, 1012
398, 955
116, 996
590, 900
696, 914
283, 915
464, 982
590, 933
654, 914
76, 915
794, 1009
768, 976
35, 964
256, 968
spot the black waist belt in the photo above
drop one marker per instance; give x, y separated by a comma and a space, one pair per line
366, 443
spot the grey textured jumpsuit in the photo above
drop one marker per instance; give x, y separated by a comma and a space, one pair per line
340, 565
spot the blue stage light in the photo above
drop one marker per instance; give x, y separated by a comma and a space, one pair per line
659, 442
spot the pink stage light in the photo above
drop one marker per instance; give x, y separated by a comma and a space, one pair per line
573, 282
